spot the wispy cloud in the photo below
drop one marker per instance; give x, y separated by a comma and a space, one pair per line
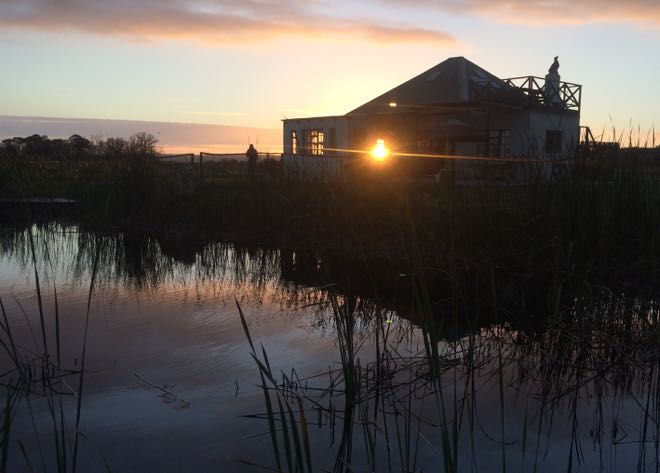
550, 12
210, 21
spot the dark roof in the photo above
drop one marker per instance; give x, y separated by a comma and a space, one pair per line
452, 82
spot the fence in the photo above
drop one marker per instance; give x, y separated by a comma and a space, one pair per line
201, 167
454, 169
313, 167
204, 157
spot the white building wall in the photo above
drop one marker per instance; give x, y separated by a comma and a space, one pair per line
304, 166
543, 120
521, 137
529, 128
299, 125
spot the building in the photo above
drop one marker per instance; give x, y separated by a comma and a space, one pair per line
454, 109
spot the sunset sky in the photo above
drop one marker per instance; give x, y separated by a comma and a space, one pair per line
253, 62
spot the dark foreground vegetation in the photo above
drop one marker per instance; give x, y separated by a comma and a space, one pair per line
596, 216
546, 289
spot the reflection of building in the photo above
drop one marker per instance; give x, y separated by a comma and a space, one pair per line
455, 108
388, 285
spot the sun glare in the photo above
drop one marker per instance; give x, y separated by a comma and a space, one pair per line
380, 151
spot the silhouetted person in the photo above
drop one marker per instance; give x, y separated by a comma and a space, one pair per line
552, 84
252, 156
554, 68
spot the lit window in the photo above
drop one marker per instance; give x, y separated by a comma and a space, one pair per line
314, 141
294, 143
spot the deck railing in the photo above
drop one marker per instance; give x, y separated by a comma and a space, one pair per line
530, 91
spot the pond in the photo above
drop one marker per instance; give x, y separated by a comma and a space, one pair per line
140, 344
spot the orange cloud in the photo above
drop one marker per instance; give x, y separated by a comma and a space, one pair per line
540, 12
210, 21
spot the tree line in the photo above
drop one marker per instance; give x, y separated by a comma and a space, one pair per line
138, 146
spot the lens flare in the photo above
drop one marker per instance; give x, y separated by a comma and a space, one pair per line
380, 151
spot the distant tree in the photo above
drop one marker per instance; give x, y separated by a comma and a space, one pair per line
17, 142
9, 147
58, 149
113, 147
12, 146
142, 145
36, 146
79, 146
138, 146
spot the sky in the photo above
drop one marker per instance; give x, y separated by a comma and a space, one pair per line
251, 63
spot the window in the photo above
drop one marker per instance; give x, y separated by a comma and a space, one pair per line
294, 143
358, 137
498, 144
431, 145
314, 142
332, 138
553, 141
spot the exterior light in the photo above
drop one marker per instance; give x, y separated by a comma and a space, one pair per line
392, 104
380, 151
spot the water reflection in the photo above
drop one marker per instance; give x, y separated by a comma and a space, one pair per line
385, 367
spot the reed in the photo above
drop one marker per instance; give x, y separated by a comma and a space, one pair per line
295, 438
34, 372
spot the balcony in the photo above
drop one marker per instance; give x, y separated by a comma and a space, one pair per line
528, 91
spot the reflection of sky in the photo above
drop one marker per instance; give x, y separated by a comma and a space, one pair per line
73, 74
183, 331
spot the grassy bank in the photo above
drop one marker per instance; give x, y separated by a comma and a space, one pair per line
599, 215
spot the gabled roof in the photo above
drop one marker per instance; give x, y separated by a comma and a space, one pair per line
452, 82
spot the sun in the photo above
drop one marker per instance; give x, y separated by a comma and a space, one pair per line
380, 151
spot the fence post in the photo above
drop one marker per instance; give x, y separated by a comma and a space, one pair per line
201, 167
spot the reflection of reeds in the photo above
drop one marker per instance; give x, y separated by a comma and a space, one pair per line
34, 372
594, 348
590, 343
295, 440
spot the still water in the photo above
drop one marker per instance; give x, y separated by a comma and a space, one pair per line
170, 384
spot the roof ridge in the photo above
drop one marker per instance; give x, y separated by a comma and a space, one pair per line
454, 75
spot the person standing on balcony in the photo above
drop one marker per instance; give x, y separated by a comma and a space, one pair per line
252, 155
552, 96
554, 68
